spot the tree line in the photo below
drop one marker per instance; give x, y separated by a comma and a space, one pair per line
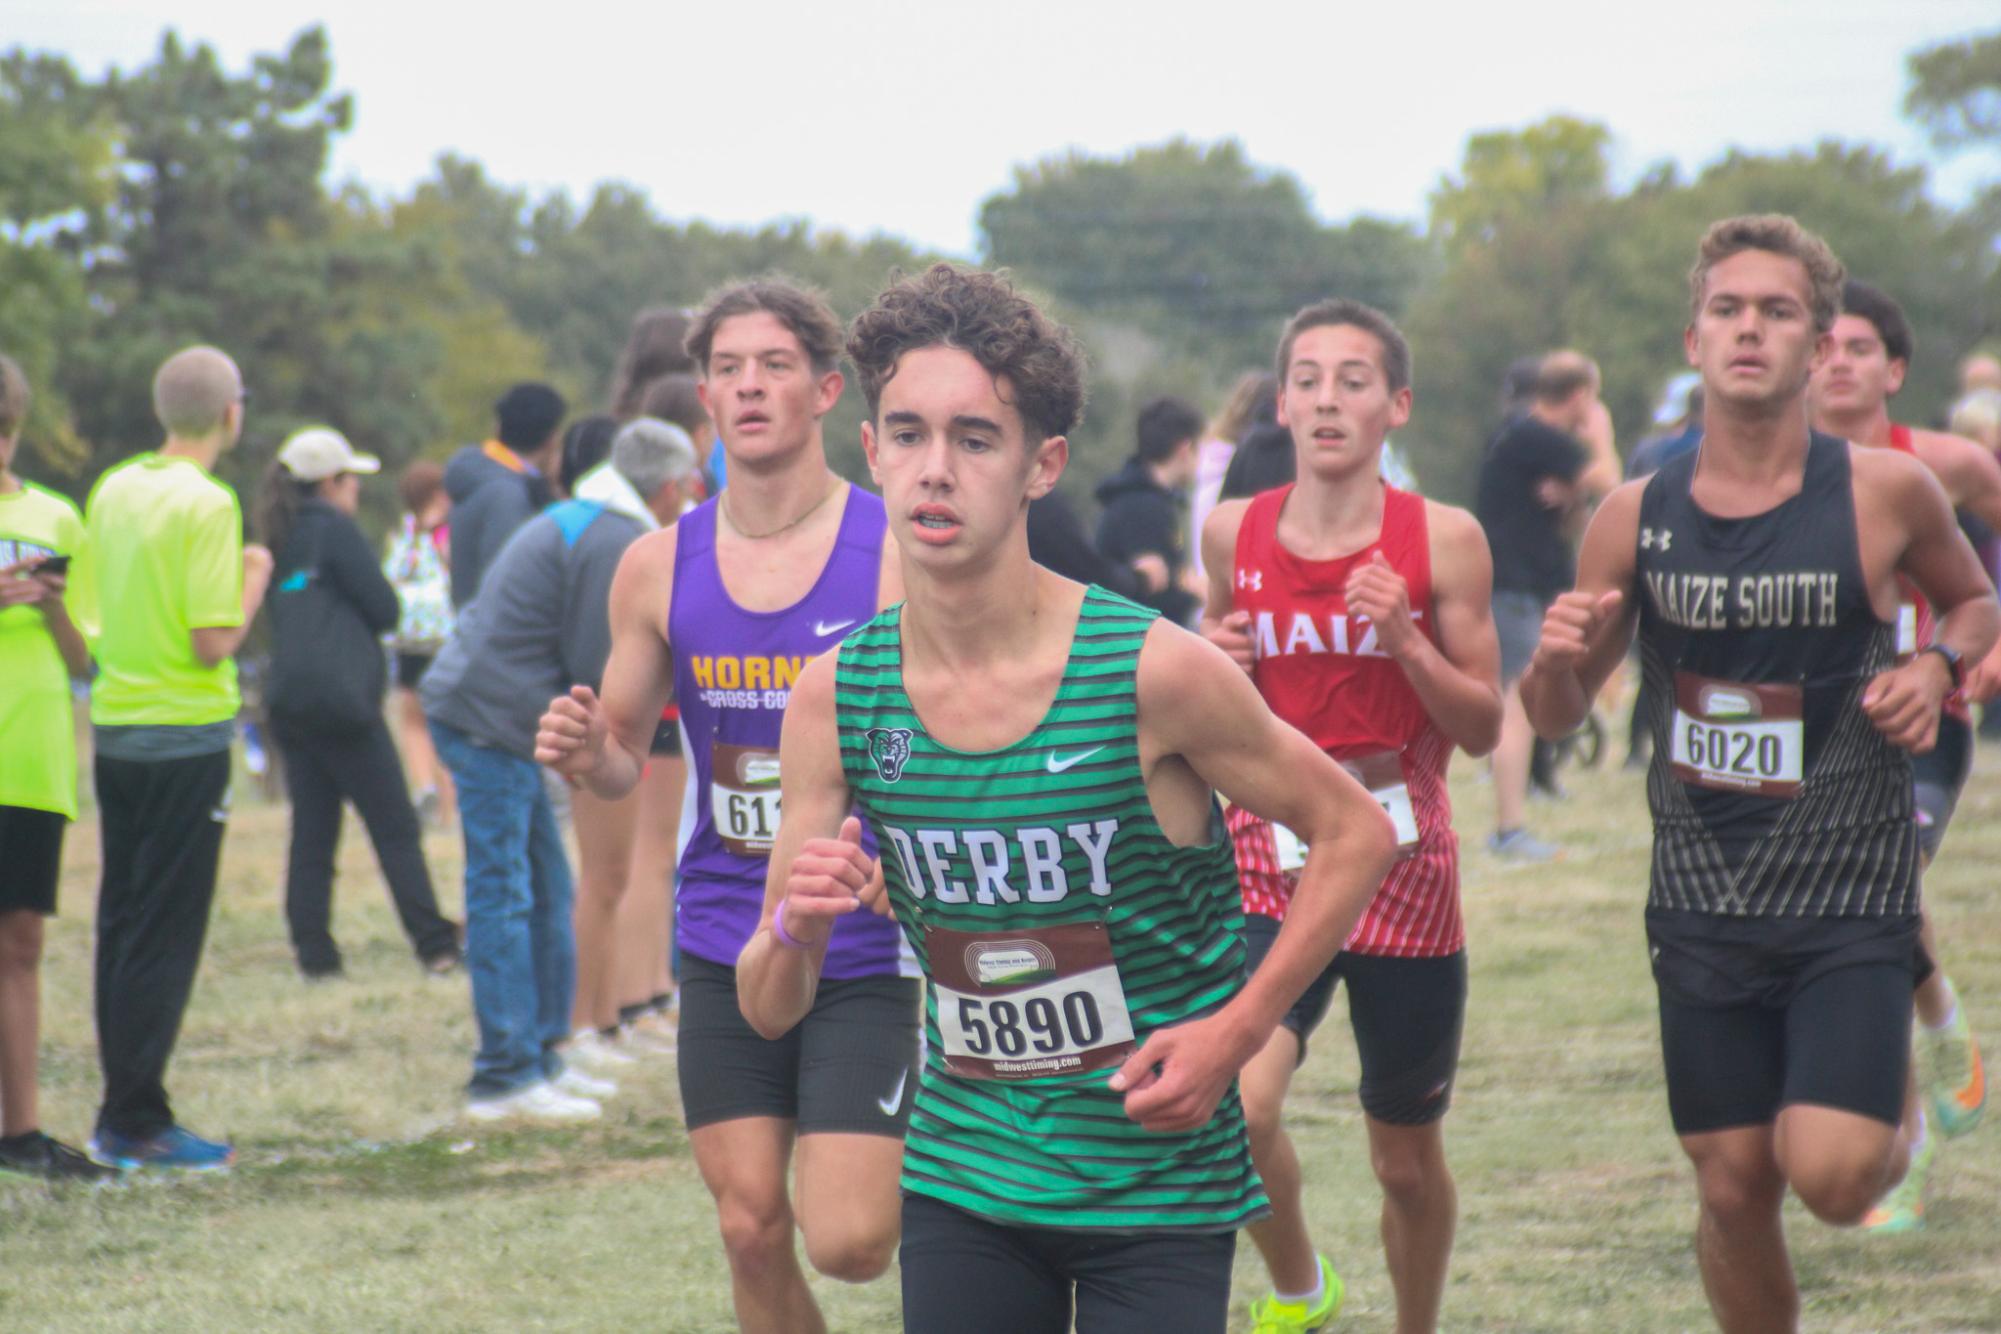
182, 201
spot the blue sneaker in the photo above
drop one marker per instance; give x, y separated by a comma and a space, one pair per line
174, 1149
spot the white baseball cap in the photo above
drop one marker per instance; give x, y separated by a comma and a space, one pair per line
320, 452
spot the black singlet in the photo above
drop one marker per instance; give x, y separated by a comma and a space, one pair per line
1746, 625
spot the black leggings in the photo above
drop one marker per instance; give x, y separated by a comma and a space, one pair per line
968, 1275
322, 770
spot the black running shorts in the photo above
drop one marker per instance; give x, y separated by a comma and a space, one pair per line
849, 1067
1938, 776
1818, 1012
963, 1274
1407, 1015
31, 859
410, 668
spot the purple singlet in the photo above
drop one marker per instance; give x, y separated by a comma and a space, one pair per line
733, 674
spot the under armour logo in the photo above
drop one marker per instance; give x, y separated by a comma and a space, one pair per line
889, 747
1649, 539
1251, 579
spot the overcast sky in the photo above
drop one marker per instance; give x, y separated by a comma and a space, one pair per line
901, 116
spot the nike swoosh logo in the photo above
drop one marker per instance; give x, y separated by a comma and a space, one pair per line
822, 629
895, 1098
1058, 763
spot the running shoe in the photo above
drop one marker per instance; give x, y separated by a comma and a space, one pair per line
1269, 1315
1903, 1209
540, 1101
36, 1155
580, 1085
589, 1048
644, 1038
442, 964
1519, 845
1954, 1082
175, 1149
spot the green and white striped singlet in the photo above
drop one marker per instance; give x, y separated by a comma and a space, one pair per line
1054, 831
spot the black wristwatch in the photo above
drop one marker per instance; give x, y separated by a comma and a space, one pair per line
1955, 666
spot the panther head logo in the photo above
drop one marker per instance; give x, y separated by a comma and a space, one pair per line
889, 747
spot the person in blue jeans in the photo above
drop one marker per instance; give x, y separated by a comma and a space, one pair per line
539, 625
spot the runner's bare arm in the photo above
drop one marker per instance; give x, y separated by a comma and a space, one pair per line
1970, 475
1905, 523
1222, 625
1458, 679
604, 742
818, 870
1587, 630
1196, 709
1972, 481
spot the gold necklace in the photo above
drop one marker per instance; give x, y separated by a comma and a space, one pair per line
723, 504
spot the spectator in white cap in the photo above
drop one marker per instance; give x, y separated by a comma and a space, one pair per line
330, 606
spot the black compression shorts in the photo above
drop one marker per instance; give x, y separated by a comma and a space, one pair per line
963, 1274
410, 668
1758, 1014
848, 1067
31, 859
1407, 1015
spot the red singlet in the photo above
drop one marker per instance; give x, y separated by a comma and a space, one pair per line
1923, 625
1320, 670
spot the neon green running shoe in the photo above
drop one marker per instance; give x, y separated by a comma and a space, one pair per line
1954, 1082
1903, 1209
1269, 1315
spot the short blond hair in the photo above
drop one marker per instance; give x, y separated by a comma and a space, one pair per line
193, 390
1780, 235
14, 398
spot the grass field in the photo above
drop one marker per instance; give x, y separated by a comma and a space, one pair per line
358, 1203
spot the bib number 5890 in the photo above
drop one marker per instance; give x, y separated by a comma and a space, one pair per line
1005, 1028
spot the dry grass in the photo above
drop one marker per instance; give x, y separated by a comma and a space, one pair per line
358, 1203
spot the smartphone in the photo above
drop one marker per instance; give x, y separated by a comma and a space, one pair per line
53, 565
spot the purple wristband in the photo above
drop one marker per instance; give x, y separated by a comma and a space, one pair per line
785, 938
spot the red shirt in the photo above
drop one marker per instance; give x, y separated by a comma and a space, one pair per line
1320, 670
1921, 627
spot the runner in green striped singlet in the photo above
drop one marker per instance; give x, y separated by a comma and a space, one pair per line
1054, 831
1038, 761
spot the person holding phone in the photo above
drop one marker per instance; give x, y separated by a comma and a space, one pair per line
40, 650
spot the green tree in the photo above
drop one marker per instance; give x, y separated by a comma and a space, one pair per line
1955, 91
56, 183
1579, 266
1177, 264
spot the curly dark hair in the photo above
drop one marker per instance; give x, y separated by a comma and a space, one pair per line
981, 315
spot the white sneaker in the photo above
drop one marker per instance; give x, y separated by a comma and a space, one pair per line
588, 1047
647, 1036
580, 1085
540, 1101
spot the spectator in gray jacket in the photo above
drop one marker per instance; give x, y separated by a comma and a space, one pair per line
499, 485
540, 625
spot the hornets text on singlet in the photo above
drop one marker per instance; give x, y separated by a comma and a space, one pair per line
1053, 834
1772, 793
